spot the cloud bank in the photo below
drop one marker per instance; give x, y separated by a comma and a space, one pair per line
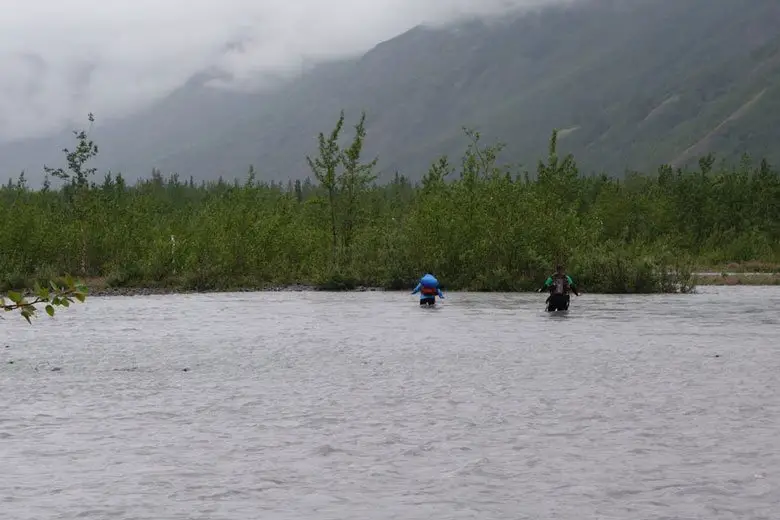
61, 60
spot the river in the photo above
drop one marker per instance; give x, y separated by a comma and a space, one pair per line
363, 406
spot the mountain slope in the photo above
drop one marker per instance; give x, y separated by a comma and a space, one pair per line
632, 83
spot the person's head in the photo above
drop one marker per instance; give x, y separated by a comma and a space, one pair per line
559, 269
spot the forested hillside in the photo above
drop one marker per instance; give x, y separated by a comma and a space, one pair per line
629, 84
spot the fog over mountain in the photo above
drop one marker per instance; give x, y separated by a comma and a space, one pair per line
61, 60
206, 89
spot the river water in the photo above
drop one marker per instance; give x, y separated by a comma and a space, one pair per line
364, 406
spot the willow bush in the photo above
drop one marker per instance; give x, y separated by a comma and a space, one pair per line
477, 224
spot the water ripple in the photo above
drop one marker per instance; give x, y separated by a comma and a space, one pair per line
362, 406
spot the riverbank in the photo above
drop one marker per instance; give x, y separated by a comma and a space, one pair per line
100, 287
733, 268
738, 273
736, 278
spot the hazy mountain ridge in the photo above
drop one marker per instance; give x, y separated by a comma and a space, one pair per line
632, 84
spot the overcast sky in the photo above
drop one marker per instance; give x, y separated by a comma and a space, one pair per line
61, 59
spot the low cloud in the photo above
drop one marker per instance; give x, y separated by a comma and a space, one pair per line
61, 60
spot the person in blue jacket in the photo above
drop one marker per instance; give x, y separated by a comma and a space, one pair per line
428, 287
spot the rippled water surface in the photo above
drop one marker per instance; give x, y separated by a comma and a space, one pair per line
363, 406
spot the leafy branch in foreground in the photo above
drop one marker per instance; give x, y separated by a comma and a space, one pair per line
53, 296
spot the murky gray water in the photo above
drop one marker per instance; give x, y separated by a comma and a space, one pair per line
363, 406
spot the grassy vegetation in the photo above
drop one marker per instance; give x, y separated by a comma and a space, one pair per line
477, 226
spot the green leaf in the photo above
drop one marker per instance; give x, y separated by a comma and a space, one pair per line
80, 297
50, 310
26, 315
14, 297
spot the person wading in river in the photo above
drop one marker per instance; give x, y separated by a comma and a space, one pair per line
428, 289
559, 284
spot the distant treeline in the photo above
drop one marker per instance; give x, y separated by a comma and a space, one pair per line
477, 226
